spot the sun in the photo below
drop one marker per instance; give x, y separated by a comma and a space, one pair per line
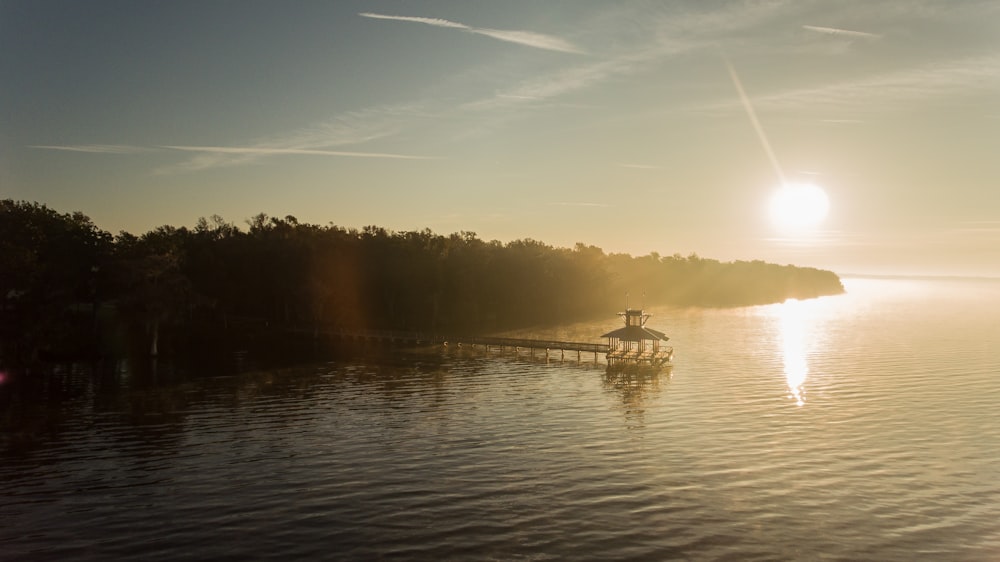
798, 206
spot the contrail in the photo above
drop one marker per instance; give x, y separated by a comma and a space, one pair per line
838, 31
266, 151
756, 124
95, 148
527, 38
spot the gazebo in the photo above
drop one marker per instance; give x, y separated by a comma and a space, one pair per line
635, 345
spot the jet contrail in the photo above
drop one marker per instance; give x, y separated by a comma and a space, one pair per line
756, 124
838, 31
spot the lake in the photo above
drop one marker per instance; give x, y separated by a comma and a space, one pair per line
857, 427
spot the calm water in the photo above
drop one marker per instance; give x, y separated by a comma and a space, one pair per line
857, 427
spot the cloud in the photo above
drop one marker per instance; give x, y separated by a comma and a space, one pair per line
208, 157
841, 32
526, 38
518, 97
555, 84
991, 227
530, 39
639, 166
270, 151
437, 22
649, 42
357, 127
350, 129
206, 161
321, 139
955, 78
96, 148
578, 204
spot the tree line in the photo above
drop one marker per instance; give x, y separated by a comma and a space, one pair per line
67, 284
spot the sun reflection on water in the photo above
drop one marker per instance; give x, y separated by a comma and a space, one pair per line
794, 349
801, 333
792, 316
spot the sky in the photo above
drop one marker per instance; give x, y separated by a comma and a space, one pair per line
636, 127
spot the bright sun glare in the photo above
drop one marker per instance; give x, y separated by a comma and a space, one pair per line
798, 206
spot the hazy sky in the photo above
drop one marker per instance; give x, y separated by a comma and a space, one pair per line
616, 124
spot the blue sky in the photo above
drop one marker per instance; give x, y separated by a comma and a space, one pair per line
617, 124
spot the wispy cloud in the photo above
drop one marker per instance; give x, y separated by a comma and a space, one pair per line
438, 22
95, 148
842, 32
206, 161
321, 139
558, 83
992, 227
578, 204
658, 37
530, 39
355, 128
267, 151
812, 240
526, 38
896, 90
208, 157
518, 97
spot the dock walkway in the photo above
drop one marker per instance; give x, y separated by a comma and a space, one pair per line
633, 346
488, 342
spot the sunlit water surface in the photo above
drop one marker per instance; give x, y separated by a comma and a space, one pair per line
859, 427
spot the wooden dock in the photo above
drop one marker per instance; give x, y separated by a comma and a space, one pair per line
547, 347
550, 348
632, 347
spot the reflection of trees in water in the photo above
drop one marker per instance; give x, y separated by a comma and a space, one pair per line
634, 388
141, 403
74, 398
395, 376
145, 406
38, 405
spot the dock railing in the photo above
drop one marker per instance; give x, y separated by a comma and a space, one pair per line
424, 338
400, 336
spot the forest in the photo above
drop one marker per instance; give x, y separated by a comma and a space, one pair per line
68, 287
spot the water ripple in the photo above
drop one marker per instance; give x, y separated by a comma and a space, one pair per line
878, 442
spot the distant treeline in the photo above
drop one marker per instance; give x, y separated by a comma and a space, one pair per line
66, 283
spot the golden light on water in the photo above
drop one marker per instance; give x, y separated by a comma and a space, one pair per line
793, 348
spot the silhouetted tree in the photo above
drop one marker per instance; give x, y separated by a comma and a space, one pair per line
174, 283
52, 268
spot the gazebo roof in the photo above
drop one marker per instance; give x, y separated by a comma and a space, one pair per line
636, 333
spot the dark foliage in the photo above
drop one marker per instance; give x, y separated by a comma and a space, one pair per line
51, 279
60, 275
